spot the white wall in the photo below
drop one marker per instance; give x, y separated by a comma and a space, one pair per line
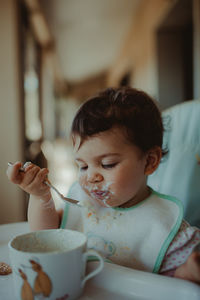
11, 198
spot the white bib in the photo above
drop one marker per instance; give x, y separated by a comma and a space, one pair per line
136, 237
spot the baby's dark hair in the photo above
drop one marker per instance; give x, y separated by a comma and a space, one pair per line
128, 108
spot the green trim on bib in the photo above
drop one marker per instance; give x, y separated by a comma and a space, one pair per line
66, 210
173, 232
65, 216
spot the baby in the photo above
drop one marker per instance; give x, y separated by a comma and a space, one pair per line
117, 140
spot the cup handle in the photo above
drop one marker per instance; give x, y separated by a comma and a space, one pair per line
97, 270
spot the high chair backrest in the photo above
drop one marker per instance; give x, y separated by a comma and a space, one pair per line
179, 172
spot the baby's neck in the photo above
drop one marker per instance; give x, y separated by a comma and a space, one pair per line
137, 199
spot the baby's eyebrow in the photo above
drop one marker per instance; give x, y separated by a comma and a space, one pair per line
100, 156
108, 154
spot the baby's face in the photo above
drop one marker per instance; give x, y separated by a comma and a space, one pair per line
111, 170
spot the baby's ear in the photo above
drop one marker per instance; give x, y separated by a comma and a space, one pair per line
154, 156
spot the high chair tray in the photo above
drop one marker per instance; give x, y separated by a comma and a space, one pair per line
120, 283
113, 283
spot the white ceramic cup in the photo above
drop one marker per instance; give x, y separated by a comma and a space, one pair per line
50, 264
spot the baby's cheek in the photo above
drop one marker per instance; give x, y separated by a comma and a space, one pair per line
83, 183
82, 180
122, 186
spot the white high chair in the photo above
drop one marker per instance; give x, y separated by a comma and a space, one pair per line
179, 172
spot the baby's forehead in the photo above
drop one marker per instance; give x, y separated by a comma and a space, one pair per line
115, 133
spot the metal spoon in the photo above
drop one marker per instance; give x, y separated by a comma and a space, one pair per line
47, 182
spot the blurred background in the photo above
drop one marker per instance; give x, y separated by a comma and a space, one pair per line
54, 54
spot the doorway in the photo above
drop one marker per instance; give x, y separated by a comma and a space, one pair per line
175, 55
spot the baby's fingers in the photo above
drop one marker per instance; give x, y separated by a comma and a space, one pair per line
29, 175
194, 266
37, 185
40, 178
14, 174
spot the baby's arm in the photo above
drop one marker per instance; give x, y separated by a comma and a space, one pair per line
41, 211
182, 259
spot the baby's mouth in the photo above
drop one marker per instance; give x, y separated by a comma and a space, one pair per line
99, 194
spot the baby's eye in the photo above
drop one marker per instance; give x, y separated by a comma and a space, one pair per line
109, 166
83, 168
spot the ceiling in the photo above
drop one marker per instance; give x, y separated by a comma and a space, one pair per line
88, 34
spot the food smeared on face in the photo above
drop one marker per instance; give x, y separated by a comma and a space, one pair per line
100, 193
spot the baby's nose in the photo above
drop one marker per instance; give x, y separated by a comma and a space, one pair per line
94, 177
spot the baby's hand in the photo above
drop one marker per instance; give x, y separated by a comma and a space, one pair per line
190, 270
31, 180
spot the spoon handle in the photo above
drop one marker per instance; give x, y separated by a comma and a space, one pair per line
11, 164
73, 201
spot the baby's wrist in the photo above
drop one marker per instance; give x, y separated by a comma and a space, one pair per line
45, 198
46, 201
49, 204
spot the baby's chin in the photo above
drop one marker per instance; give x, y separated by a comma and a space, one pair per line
105, 204
96, 203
